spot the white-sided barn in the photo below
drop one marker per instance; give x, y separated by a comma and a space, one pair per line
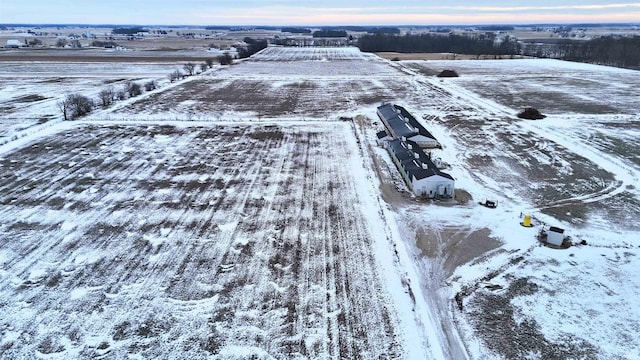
420, 173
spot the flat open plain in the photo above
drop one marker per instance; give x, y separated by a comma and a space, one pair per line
247, 211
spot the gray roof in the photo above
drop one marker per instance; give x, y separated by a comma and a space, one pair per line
405, 152
397, 123
414, 122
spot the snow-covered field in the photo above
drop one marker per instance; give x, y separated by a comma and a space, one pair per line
153, 241
248, 211
31, 90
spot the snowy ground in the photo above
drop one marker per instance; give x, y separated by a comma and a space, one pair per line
232, 240
273, 249
576, 169
31, 90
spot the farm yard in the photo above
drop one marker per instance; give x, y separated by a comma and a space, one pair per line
248, 212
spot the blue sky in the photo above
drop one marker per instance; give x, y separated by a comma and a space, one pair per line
318, 12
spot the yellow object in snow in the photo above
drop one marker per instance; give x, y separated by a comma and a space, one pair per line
527, 221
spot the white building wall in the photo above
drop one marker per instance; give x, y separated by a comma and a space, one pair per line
555, 238
428, 187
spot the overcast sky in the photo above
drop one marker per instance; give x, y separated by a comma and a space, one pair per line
317, 12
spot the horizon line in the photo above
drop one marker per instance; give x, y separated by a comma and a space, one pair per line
325, 26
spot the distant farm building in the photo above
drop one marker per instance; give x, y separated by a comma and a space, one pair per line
399, 123
420, 173
14, 44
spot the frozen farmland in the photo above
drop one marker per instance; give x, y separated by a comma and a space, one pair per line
248, 212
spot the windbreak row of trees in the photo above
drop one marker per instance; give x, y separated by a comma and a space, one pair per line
329, 34
74, 106
253, 46
294, 30
451, 43
607, 50
128, 31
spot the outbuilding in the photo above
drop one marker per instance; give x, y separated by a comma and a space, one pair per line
555, 236
399, 123
419, 172
13, 44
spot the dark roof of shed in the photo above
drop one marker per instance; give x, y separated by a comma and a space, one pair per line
408, 160
414, 122
382, 134
396, 122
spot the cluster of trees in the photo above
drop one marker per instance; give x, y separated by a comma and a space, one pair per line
253, 46
384, 30
191, 68
225, 59
128, 31
295, 30
607, 50
34, 42
482, 44
328, 33
62, 42
74, 106
98, 43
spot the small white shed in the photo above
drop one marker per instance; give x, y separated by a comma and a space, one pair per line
555, 236
13, 43
424, 142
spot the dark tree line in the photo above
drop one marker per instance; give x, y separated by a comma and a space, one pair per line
98, 43
607, 50
253, 46
483, 44
128, 31
294, 30
329, 34
384, 30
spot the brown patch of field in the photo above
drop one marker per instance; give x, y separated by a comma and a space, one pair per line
455, 246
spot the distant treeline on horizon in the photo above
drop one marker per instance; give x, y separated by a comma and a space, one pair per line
307, 29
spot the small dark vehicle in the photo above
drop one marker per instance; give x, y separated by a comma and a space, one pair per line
490, 204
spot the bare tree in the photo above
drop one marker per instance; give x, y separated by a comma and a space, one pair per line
190, 68
61, 42
150, 85
74, 106
225, 59
176, 75
121, 95
204, 67
107, 96
132, 88
65, 108
35, 42
209, 62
